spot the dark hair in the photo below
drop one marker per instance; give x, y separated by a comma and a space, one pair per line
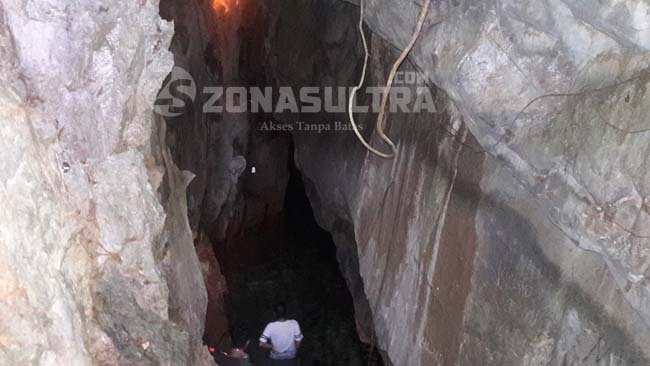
239, 338
280, 310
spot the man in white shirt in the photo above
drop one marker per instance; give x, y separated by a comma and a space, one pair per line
282, 337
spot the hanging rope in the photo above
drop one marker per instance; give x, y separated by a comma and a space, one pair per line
389, 83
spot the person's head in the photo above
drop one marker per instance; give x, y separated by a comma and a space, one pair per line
280, 311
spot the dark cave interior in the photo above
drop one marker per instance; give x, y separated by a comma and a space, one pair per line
272, 249
289, 258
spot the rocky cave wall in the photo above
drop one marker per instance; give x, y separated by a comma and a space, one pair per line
512, 227
97, 265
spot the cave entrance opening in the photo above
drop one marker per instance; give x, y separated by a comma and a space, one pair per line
289, 258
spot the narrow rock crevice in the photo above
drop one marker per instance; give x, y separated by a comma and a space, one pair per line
141, 223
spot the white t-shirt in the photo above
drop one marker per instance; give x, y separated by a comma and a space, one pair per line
282, 335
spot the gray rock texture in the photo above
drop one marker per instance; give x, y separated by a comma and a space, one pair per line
97, 262
556, 91
512, 227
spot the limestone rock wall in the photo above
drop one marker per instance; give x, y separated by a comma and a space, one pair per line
216, 323
510, 230
554, 90
97, 263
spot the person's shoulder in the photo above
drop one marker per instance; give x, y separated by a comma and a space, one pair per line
293, 322
269, 326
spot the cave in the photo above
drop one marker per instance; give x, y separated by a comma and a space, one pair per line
423, 183
287, 257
